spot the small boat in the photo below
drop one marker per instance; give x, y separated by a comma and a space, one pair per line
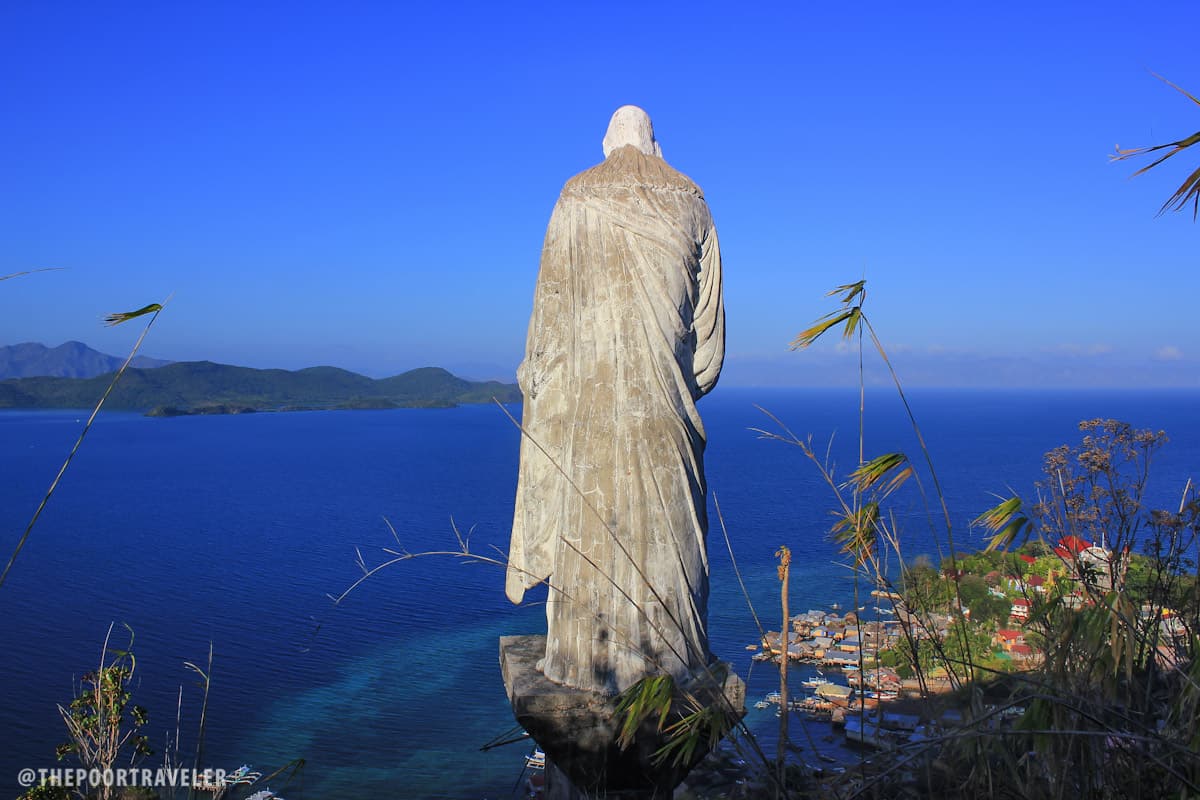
536, 759
762, 704
813, 683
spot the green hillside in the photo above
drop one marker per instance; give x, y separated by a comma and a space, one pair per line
205, 387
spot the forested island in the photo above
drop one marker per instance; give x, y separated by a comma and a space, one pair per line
203, 387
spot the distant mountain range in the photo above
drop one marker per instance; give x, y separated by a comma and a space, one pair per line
70, 360
202, 387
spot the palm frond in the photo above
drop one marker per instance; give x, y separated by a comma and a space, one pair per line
1189, 190
652, 696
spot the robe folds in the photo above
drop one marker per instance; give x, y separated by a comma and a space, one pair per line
627, 333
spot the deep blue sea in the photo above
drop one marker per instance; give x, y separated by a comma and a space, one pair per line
233, 530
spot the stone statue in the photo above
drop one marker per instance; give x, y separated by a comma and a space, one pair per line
627, 333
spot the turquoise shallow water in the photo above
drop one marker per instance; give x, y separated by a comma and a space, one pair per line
233, 530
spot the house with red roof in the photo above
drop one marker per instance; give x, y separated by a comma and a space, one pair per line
1021, 652
1021, 609
1069, 547
1007, 639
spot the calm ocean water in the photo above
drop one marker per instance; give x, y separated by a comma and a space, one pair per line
232, 530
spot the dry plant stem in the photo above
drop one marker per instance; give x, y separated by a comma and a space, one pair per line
98, 745
762, 633
785, 563
29, 272
87, 427
464, 553
937, 485
854, 320
206, 678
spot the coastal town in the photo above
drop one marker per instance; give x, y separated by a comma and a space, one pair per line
977, 614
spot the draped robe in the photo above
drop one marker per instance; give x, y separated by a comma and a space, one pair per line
627, 333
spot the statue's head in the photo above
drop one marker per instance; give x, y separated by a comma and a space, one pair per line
631, 125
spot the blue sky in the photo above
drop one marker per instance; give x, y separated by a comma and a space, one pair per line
367, 185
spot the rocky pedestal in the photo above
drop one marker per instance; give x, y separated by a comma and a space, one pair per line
578, 730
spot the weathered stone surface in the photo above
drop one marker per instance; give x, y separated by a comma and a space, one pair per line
627, 333
578, 729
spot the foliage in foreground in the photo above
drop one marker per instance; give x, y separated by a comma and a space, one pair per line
1189, 190
104, 736
1112, 708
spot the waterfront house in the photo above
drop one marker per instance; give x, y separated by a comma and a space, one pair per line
840, 658
834, 691
820, 646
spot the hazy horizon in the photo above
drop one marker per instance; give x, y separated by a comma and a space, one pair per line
800, 370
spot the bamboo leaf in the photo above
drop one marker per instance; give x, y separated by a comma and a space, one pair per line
1190, 189
852, 321
1006, 521
892, 467
125, 316
851, 315
854, 532
809, 335
852, 290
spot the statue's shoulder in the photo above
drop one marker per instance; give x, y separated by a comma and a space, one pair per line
628, 167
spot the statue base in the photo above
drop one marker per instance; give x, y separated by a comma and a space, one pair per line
578, 730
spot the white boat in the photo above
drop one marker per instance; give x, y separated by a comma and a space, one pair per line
536, 759
813, 683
